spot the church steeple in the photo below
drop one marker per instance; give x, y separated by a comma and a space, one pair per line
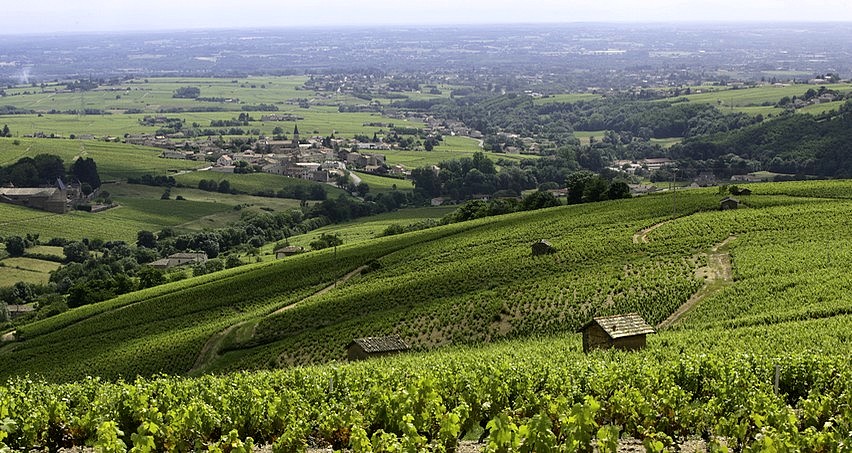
296, 136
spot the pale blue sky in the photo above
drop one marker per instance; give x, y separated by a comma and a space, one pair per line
50, 16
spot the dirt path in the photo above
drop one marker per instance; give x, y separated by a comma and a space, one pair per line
210, 350
641, 237
328, 288
8, 336
717, 274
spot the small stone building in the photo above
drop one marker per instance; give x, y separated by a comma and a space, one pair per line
364, 348
179, 259
626, 332
542, 247
290, 250
729, 203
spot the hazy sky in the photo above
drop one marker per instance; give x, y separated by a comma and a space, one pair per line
50, 16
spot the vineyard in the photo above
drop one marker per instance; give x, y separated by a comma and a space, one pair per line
494, 327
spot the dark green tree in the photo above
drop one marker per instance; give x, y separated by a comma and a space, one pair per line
76, 252
15, 245
146, 239
85, 170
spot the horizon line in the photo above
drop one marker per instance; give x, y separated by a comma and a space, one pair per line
386, 26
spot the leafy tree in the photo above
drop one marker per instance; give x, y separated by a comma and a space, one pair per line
576, 185
49, 167
539, 200
150, 277
85, 170
146, 239
326, 240
23, 293
76, 252
15, 245
595, 189
618, 190
6, 132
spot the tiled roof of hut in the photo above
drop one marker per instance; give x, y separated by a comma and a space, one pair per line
617, 326
381, 344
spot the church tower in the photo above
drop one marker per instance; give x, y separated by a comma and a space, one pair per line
296, 137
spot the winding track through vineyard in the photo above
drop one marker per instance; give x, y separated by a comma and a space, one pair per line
641, 236
717, 274
213, 345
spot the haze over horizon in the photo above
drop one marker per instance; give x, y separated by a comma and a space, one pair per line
166, 15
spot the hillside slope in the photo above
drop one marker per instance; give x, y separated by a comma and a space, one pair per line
460, 284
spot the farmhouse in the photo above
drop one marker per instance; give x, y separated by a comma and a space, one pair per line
626, 332
288, 251
729, 203
542, 247
363, 348
49, 199
179, 259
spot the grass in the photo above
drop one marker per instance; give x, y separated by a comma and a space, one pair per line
29, 270
253, 182
114, 160
567, 97
48, 250
367, 227
380, 184
752, 100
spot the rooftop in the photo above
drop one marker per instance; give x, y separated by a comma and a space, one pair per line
381, 344
618, 326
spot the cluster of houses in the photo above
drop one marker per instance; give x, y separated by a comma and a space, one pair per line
304, 159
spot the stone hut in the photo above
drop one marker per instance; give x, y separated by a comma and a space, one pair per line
290, 250
364, 348
542, 247
626, 332
729, 203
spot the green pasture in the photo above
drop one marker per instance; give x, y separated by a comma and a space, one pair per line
29, 270
586, 136
757, 96
120, 223
223, 207
367, 227
114, 160
253, 182
384, 184
567, 98
50, 250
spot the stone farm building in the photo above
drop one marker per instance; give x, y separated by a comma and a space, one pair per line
179, 259
626, 332
288, 251
542, 247
363, 348
49, 199
729, 203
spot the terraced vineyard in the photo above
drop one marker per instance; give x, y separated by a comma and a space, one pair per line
707, 380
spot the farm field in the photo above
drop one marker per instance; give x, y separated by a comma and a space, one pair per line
371, 227
254, 182
749, 100
29, 270
380, 184
114, 160
493, 330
